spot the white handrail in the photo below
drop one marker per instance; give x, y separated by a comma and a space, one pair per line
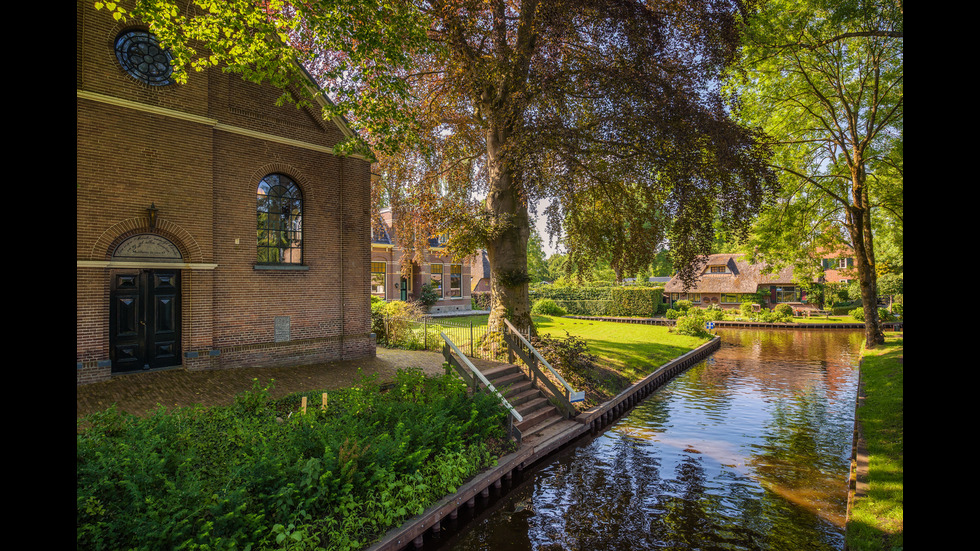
476, 372
572, 395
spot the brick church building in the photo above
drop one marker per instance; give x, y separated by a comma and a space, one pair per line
214, 229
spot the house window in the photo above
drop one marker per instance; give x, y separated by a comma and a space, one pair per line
378, 279
787, 294
694, 297
456, 280
716, 269
435, 278
729, 298
143, 58
279, 208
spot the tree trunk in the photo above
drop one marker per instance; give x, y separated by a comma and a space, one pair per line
507, 249
859, 226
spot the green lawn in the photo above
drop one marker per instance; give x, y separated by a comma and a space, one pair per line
877, 519
634, 350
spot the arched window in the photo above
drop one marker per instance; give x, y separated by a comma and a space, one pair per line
279, 207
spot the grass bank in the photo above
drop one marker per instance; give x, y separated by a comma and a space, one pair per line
877, 518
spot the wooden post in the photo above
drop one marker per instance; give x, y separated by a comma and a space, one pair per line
302, 406
324, 407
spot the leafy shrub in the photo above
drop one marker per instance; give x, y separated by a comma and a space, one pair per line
693, 322
672, 314
480, 300
784, 309
427, 296
683, 305
857, 313
236, 477
547, 307
571, 357
774, 316
747, 309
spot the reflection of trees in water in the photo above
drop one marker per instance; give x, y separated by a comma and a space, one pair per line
643, 485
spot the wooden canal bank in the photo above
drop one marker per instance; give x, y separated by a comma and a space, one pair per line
533, 448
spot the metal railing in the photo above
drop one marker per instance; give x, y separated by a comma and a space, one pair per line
531, 357
423, 334
474, 377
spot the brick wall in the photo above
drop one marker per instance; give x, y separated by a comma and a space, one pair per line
197, 152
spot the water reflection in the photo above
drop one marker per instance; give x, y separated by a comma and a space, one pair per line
746, 450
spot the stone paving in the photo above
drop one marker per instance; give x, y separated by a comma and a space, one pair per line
138, 393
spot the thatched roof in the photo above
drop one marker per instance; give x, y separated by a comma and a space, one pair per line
740, 277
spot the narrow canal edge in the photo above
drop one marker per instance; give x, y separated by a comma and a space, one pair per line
534, 448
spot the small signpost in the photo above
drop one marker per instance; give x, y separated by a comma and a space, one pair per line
710, 325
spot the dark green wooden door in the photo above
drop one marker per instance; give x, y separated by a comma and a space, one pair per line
144, 323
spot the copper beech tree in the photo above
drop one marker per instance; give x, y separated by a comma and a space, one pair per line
609, 112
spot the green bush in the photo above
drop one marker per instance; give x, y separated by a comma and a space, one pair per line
857, 313
672, 314
693, 322
250, 475
747, 309
683, 305
547, 307
427, 296
480, 300
784, 310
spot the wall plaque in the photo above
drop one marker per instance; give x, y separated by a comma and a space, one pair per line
147, 246
282, 328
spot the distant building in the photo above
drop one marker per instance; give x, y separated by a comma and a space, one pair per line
450, 279
727, 279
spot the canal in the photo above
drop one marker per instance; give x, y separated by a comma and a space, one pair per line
748, 449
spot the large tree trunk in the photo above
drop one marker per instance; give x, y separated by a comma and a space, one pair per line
859, 226
507, 249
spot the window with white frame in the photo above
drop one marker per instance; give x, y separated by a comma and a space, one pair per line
435, 278
456, 280
378, 278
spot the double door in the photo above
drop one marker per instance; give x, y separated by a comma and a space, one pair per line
144, 322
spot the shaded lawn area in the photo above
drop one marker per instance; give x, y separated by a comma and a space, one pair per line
877, 519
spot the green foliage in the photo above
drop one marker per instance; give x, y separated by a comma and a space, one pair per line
427, 295
249, 475
547, 307
481, 300
784, 310
693, 323
601, 300
672, 314
683, 305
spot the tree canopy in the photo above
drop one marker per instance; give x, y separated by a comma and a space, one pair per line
611, 110
479, 109
825, 81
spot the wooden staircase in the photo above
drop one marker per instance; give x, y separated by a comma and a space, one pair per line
531, 403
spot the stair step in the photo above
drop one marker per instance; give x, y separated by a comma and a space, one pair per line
521, 397
542, 426
507, 379
496, 371
537, 417
533, 404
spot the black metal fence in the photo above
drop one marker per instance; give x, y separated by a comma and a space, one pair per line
473, 338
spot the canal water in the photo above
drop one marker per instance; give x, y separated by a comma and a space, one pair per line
748, 449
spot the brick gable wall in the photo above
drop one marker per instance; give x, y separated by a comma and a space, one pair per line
197, 152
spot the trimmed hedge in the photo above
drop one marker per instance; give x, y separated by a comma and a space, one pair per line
637, 302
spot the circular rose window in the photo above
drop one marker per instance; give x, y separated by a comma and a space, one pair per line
143, 58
